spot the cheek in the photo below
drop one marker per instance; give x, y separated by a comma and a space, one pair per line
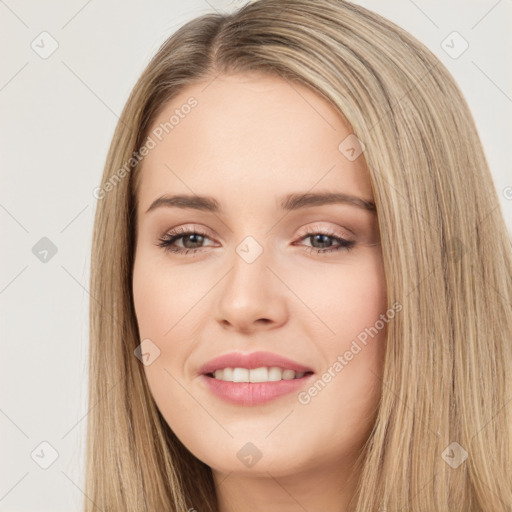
170, 311
165, 298
343, 299
362, 300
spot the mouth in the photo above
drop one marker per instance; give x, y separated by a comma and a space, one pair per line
253, 378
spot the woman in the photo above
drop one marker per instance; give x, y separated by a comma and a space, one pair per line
301, 277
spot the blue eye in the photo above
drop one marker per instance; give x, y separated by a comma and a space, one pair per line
167, 242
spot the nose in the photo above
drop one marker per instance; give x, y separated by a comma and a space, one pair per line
252, 297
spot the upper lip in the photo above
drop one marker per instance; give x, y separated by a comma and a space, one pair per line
251, 360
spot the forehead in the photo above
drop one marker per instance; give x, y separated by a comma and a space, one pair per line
248, 137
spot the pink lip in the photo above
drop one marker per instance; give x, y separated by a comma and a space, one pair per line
253, 393
252, 360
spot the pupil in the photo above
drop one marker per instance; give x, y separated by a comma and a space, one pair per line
188, 237
325, 242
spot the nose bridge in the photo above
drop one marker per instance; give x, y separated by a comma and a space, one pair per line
250, 232
250, 292
249, 274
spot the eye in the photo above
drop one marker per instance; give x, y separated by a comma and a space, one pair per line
192, 237
321, 237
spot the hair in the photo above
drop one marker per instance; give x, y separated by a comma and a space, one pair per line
446, 253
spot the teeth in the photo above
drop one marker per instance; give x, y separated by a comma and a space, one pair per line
240, 375
258, 375
288, 374
274, 373
263, 374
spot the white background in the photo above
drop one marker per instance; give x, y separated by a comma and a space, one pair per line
58, 117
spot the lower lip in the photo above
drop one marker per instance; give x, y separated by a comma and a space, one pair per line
253, 393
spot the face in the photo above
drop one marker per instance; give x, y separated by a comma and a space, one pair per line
253, 270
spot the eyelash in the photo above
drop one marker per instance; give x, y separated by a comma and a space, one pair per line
167, 240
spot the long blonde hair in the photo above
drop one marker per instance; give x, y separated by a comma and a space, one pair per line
447, 258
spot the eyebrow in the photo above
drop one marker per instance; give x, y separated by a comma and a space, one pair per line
290, 202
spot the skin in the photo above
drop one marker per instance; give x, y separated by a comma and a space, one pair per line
251, 140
